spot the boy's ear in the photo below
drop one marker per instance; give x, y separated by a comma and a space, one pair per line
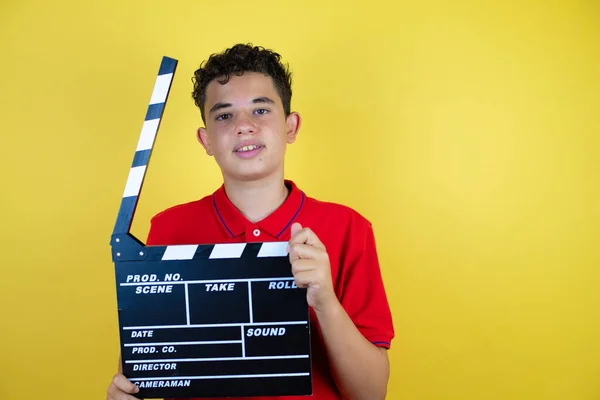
202, 136
292, 122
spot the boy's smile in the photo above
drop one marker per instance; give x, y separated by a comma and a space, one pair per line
248, 149
247, 130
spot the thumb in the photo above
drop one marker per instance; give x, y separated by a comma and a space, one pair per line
296, 227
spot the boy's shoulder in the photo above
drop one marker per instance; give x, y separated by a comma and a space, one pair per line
185, 210
335, 207
338, 212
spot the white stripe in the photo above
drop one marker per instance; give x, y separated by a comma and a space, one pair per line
187, 304
182, 343
220, 377
228, 250
161, 87
180, 252
216, 325
273, 249
217, 359
208, 281
148, 134
250, 302
134, 181
243, 343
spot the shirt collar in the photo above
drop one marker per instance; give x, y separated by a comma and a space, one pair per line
276, 224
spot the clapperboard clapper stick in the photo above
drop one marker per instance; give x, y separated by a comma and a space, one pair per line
202, 320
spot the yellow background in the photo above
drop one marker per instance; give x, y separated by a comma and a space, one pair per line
467, 131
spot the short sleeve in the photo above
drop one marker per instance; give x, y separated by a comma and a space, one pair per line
363, 295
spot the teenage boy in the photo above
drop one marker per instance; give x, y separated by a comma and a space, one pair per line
244, 97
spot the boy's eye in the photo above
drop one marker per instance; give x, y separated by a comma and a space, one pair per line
222, 117
261, 111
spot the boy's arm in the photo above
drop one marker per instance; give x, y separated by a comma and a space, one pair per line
360, 369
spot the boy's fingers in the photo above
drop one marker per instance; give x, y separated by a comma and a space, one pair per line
300, 266
116, 394
303, 279
121, 396
295, 228
313, 240
307, 236
303, 251
124, 384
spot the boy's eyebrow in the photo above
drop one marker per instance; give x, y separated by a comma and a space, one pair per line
218, 106
263, 99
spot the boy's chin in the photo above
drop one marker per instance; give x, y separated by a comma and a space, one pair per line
250, 176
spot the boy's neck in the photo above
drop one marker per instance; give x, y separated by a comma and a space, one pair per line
256, 200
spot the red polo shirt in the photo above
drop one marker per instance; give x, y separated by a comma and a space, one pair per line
347, 236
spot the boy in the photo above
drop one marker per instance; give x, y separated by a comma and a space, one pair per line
244, 97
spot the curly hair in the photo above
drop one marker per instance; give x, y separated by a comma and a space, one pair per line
237, 60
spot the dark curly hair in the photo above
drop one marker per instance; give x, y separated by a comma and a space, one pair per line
237, 60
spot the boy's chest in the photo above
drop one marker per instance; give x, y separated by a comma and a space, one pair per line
212, 231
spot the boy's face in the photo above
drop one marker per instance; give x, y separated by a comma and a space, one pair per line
246, 128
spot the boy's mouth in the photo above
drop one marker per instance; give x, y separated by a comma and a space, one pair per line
248, 148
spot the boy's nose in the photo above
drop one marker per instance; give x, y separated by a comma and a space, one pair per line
245, 130
245, 126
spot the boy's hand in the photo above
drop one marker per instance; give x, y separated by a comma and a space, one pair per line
310, 267
120, 388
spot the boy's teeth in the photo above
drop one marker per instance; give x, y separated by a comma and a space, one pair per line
248, 148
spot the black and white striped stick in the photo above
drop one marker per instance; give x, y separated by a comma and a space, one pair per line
145, 145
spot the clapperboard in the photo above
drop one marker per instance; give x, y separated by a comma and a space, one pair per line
207, 320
